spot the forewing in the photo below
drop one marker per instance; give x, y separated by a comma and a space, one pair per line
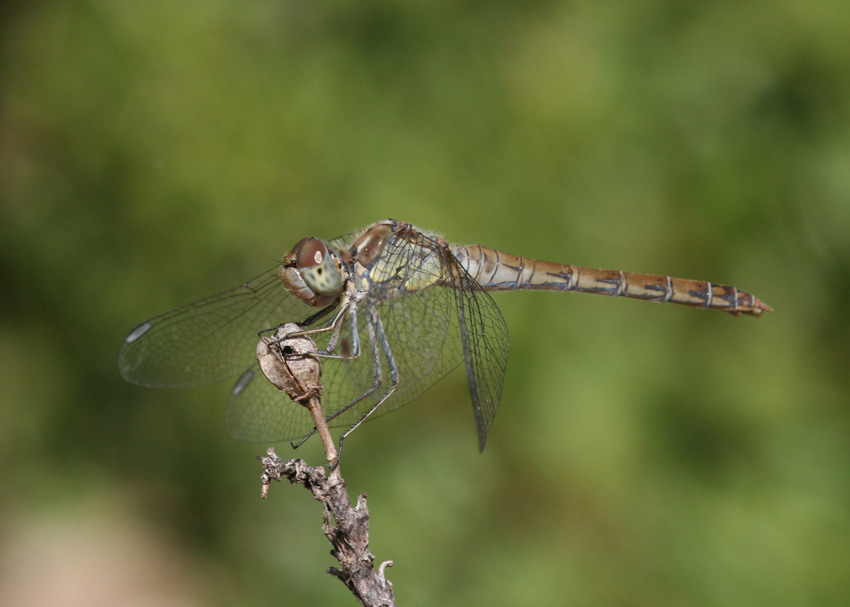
209, 340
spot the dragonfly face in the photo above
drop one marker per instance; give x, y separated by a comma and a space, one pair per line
313, 273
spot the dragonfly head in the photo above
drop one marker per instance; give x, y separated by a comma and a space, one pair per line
312, 272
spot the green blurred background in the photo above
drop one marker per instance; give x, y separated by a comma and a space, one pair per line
154, 153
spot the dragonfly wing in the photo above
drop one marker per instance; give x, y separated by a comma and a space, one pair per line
258, 412
416, 328
209, 340
420, 328
435, 316
442, 319
484, 336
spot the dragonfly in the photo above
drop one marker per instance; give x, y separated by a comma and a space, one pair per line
392, 309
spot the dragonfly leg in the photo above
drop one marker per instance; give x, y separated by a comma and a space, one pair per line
344, 305
304, 439
328, 352
355, 343
304, 323
376, 358
337, 332
337, 324
394, 380
356, 347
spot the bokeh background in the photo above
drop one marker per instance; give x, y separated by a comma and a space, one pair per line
154, 153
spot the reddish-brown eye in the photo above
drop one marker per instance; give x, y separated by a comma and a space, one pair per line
309, 253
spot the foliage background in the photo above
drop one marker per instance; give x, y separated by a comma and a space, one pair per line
153, 153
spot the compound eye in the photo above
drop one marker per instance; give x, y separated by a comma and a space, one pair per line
316, 266
309, 253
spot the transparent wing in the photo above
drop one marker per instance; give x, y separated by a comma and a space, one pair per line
421, 336
209, 340
484, 335
432, 330
417, 329
429, 331
258, 412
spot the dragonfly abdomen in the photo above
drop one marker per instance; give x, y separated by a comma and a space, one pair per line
498, 271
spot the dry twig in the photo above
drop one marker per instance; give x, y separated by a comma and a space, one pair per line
288, 364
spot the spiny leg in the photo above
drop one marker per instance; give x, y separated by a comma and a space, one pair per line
385, 346
328, 352
376, 359
356, 345
332, 325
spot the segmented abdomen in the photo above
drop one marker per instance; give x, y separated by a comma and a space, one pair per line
498, 271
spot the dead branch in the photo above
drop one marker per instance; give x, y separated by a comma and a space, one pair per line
288, 364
